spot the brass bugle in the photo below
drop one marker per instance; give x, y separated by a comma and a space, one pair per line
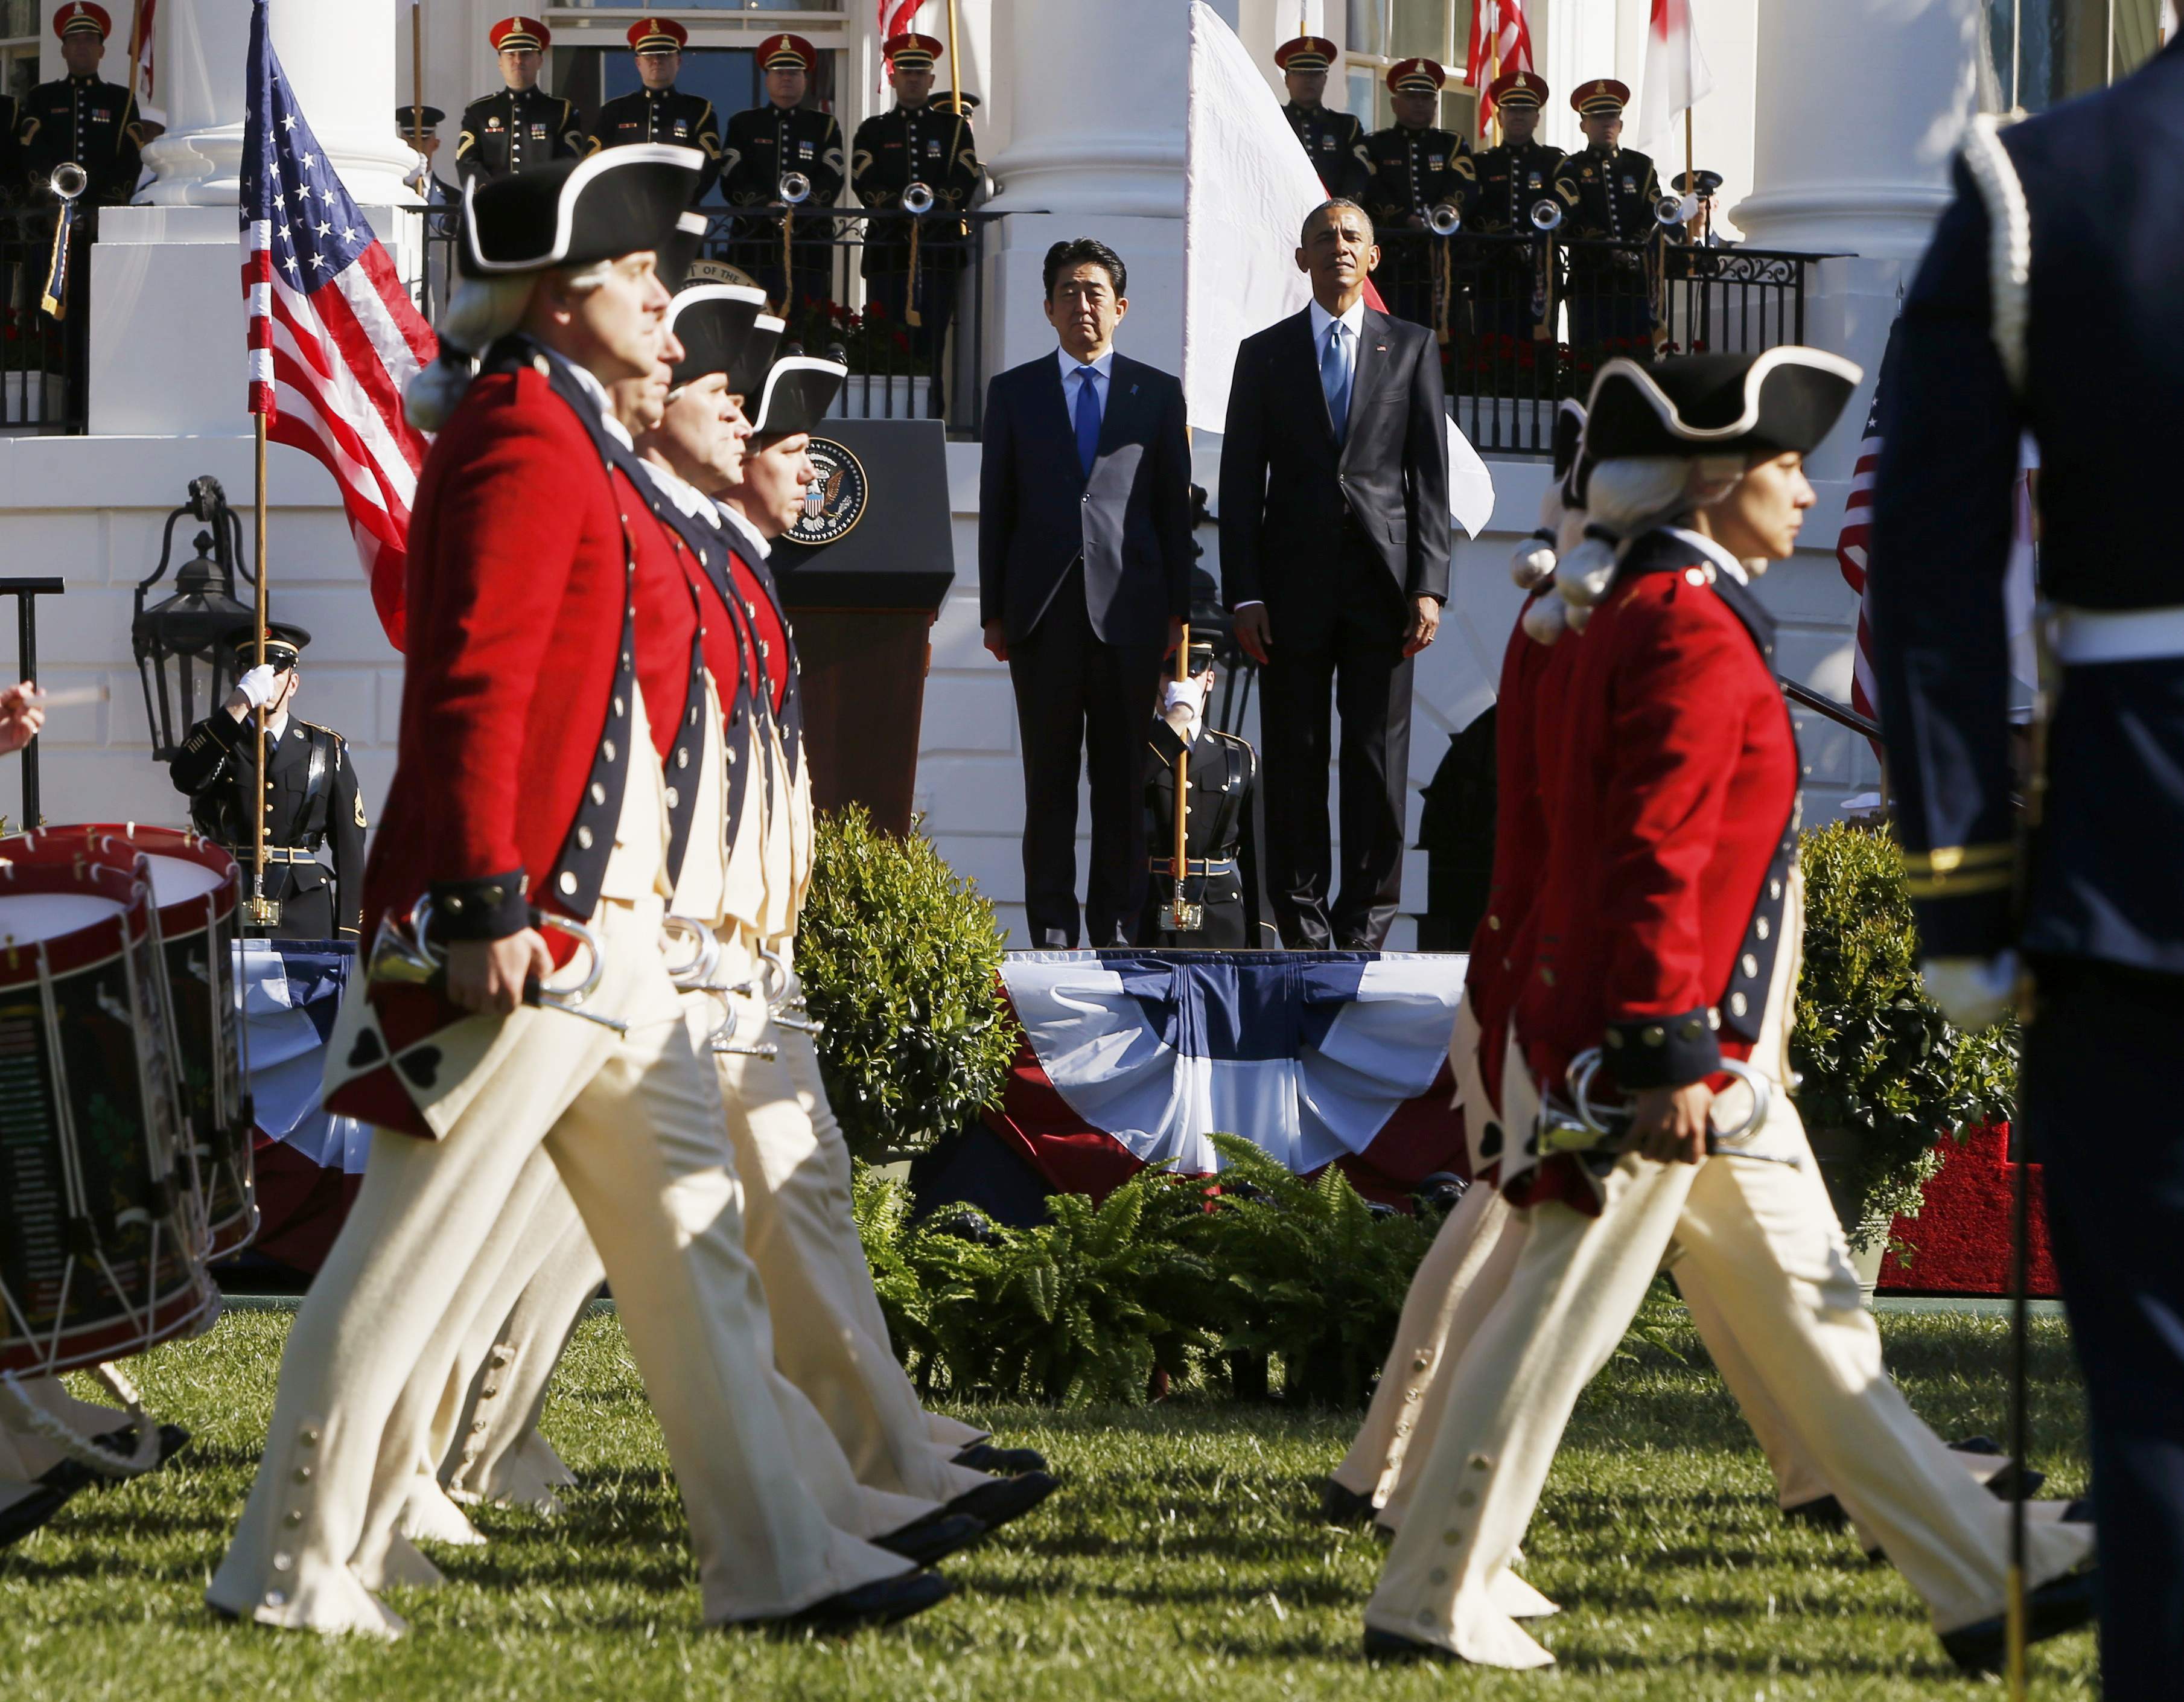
794, 189
1546, 216
917, 199
1444, 219
1676, 210
69, 180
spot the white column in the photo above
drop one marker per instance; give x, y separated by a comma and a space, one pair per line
340, 62
1094, 149
1861, 104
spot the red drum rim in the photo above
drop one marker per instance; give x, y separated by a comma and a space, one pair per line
76, 872
189, 1310
117, 843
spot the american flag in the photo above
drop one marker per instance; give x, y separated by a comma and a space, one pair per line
1858, 535
1500, 42
334, 337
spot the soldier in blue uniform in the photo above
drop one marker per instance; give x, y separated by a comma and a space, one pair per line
1508, 179
1417, 167
1335, 142
82, 120
519, 126
1221, 874
659, 111
309, 797
2057, 264
1609, 191
764, 145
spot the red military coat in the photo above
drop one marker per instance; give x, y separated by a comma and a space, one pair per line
1671, 825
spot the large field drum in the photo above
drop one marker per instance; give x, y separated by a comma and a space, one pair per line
100, 1232
196, 888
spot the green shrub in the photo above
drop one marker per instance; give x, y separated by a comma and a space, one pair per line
1877, 1058
900, 960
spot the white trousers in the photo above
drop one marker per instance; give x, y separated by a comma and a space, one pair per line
1762, 1239
631, 1124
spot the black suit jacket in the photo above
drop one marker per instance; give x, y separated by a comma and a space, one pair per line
1130, 521
1286, 484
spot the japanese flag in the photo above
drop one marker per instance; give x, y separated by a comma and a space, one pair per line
1676, 73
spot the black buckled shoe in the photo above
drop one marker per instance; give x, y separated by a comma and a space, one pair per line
1341, 1504
17, 1519
885, 1602
1005, 1498
2002, 1486
1007, 1462
935, 1536
1389, 1645
2059, 1605
72, 1474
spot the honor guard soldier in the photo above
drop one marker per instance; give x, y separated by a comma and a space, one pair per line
917, 142
81, 120
1700, 233
519, 125
1510, 179
1417, 168
309, 797
1609, 192
660, 112
419, 127
2057, 264
764, 147
1335, 142
1220, 873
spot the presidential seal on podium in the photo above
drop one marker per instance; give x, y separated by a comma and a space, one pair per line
834, 502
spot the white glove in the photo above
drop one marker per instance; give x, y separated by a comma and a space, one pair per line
1183, 707
1974, 993
258, 687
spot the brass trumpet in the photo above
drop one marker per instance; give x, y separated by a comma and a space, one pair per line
1673, 210
794, 189
917, 200
1546, 216
1444, 219
69, 180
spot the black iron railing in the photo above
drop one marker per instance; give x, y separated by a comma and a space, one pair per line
43, 365
847, 280
1528, 320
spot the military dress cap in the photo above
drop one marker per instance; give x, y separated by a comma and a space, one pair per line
284, 643
946, 101
1416, 76
712, 321
511, 33
572, 212
1602, 94
1517, 89
1305, 53
657, 36
912, 52
786, 52
406, 117
799, 391
1710, 183
747, 371
82, 18
1783, 401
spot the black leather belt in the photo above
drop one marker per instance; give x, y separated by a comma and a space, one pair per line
1165, 865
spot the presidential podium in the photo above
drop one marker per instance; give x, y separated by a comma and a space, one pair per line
863, 575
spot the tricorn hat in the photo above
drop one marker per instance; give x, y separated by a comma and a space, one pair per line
747, 371
572, 212
679, 253
1782, 401
799, 391
711, 322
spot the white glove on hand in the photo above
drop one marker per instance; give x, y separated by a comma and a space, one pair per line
1183, 707
1974, 993
258, 687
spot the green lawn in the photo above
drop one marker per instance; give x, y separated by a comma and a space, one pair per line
1181, 1560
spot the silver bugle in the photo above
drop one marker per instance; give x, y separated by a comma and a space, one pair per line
1676, 210
917, 199
1444, 219
796, 188
69, 180
1546, 216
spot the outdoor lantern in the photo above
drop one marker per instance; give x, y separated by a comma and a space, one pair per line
181, 644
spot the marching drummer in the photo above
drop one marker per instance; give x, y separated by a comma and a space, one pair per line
310, 798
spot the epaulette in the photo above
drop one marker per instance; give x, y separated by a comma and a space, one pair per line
314, 727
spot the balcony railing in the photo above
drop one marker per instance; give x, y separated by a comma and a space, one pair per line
845, 281
42, 360
1527, 320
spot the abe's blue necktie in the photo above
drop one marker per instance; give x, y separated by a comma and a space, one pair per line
1335, 379
1088, 417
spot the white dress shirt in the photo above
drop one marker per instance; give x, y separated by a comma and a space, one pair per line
1070, 384
1712, 551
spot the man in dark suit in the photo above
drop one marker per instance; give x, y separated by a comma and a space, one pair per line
1085, 557
1334, 552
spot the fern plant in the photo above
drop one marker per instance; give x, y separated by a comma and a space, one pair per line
882, 1207
1313, 1274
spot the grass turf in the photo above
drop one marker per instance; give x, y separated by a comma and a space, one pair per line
1182, 1559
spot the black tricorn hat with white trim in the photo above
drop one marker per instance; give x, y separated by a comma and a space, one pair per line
712, 321
1774, 402
799, 391
747, 371
571, 213
680, 251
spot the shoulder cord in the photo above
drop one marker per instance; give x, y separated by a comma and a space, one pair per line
2009, 244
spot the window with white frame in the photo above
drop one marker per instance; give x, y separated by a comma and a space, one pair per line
1380, 33
20, 40
2040, 52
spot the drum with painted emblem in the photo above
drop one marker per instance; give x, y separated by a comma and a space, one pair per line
102, 1231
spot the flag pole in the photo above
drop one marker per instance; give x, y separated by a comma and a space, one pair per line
1182, 917
417, 73
260, 911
